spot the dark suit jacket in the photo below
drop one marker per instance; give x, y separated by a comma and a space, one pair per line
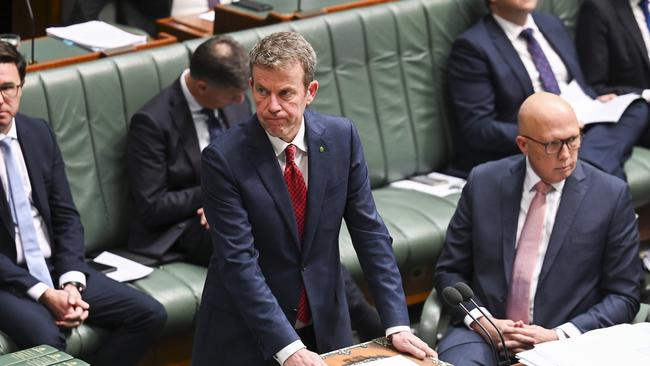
612, 53
52, 197
255, 274
487, 83
164, 168
591, 271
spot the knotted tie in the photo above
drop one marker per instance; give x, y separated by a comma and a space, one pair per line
546, 75
526, 256
214, 124
21, 213
298, 192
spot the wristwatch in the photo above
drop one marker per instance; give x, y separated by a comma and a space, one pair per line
80, 286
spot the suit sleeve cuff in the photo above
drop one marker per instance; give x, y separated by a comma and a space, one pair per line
397, 329
36, 291
72, 276
476, 314
289, 350
569, 330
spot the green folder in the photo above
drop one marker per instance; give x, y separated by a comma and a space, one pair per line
27, 354
45, 360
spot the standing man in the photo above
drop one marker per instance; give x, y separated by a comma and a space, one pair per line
548, 243
45, 286
275, 190
508, 55
165, 140
613, 43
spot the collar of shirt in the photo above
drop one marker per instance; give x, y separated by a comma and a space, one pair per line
532, 178
279, 145
513, 30
12, 131
195, 107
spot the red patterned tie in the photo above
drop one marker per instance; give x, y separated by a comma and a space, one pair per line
298, 192
518, 303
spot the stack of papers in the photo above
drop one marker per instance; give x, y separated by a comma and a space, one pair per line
96, 36
624, 344
126, 269
592, 110
436, 184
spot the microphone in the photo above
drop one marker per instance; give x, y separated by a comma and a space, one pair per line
454, 298
468, 295
299, 8
31, 18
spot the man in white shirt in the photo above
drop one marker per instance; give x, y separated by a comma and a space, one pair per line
508, 55
548, 243
46, 288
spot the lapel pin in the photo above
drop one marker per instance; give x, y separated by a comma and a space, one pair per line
321, 149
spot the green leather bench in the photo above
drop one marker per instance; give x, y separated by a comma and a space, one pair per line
382, 66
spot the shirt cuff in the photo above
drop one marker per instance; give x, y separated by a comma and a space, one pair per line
289, 350
73, 276
645, 94
36, 291
397, 329
476, 314
569, 330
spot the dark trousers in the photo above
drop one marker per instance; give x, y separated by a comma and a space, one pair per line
608, 145
462, 346
133, 319
195, 243
363, 316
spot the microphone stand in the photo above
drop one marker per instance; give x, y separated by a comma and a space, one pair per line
31, 18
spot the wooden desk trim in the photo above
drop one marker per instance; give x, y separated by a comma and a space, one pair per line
181, 30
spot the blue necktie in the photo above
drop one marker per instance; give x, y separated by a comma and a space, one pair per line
546, 75
21, 212
214, 124
646, 13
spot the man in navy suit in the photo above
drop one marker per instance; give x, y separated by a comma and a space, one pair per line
495, 65
275, 191
544, 265
165, 140
45, 286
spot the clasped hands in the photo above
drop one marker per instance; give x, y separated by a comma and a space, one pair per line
67, 306
405, 342
518, 336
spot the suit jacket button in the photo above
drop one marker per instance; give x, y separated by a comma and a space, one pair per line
295, 310
303, 268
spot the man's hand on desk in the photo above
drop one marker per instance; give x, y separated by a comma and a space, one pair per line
525, 336
304, 357
407, 342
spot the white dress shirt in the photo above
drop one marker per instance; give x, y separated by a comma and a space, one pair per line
552, 204
513, 31
301, 160
42, 235
200, 119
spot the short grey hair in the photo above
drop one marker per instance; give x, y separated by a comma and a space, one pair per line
283, 49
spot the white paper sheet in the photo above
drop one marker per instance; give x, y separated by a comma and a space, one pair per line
436, 184
391, 361
127, 270
208, 15
96, 35
592, 110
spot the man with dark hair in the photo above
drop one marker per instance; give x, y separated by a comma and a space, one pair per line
507, 56
46, 287
165, 140
275, 190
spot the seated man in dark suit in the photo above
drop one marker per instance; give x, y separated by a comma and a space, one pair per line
613, 40
165, 140
548, 243
507, 56
46, 287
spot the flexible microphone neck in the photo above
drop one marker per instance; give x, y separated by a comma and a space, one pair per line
31, 18
453, 297
468, 295
299, 8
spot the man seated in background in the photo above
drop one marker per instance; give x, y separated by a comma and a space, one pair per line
613, 43
507, 56
46, 288
548, 243
165, 141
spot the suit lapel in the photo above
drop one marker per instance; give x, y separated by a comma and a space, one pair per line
512, 186
509, 54
319, 156
27, 143
264, 160
5, 214
624, 13
182, 118
572, 195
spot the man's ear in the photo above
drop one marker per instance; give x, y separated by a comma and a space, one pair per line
522, 144
312, 89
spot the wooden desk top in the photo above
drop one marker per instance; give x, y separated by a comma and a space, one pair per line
369, 351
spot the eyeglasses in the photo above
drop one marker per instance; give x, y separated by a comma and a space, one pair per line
554, 147
10, 90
